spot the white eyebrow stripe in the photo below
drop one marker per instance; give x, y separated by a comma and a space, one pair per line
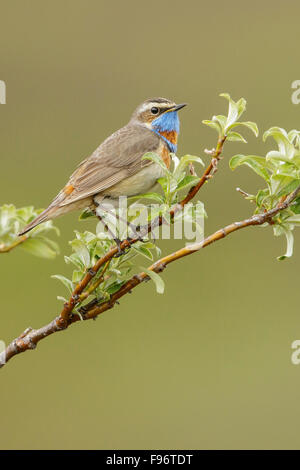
145, 106
148, 106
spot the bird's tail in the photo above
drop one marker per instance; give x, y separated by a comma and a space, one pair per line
47, 214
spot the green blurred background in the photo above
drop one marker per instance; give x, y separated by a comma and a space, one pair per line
207, 365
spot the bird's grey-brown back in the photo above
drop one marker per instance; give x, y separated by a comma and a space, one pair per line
116, 167
117, 158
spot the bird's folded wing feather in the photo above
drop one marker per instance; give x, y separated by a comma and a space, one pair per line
117, 158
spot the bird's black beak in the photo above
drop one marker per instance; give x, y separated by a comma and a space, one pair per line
179, 106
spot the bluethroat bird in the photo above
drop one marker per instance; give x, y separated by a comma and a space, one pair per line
116, 167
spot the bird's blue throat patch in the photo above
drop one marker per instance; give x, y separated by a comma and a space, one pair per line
167, 127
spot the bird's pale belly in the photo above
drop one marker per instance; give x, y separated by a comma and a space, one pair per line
139, 183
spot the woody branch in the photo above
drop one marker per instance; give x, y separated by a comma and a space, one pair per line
30, 337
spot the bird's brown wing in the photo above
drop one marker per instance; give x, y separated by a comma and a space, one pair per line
117, 158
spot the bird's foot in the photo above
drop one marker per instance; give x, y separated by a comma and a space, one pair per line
121, 251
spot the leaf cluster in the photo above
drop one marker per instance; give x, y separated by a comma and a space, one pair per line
280, 171
13, 219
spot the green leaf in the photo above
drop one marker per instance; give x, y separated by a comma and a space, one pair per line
12, 220
86, 214
280, 184
159, 283
164, 183
39, 247
188, 180
152, 246
223, 124
51, 243
184, 161
290, 244
279, 167
81, 250
43, 228
213, 125
27, 214
287, 189
294, 137
75, 260
286, 148
142, 250
155, 159
241, 105
235, 137
258, 164
77, 276
277, 158
181, 167
251, 125
235, 110
261, 195
115, 287
221, 120
66, 282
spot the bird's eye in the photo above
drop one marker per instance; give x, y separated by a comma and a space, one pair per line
154, 110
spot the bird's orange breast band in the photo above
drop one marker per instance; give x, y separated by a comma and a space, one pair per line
171, 136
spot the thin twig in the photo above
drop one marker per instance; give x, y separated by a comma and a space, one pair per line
7, 248
215, 157
244, 194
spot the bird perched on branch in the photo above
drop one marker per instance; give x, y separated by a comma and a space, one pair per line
116, 167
